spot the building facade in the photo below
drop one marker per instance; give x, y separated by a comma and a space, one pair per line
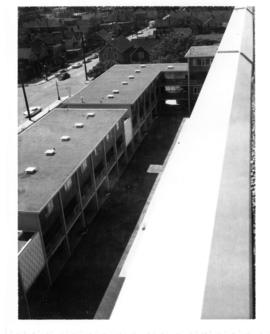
199, 61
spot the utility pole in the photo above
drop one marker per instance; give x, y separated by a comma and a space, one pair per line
58, 96
85, 70
45, 72
24, 94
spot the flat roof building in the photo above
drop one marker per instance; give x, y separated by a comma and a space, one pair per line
68, 161
72, 157
130, 80
199, 61
202, 51
52, 171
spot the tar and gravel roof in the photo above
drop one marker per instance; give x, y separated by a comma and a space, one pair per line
52, 171
202, 51
96, 92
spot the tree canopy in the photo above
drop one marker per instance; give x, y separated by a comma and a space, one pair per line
171, 48
100, 68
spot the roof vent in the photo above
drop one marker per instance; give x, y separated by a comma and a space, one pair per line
170, 67
115, 91
143, 65
30, 170
90, 114
65, 138
124, 83
50, 152
110, 96
131, 76
79, 125
138, 71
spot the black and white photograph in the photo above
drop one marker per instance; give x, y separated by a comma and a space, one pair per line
135, 166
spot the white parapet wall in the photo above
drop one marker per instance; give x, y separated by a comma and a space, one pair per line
192, 258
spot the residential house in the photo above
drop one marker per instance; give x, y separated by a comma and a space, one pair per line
117, 50
124, 51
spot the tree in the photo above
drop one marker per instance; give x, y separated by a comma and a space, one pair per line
172, 48
100, 68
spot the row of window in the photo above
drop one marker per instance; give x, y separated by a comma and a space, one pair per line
201, 61
196, 90
175, 75
97, 171
144, 101
173, 89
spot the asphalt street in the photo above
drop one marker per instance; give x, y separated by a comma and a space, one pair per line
45, 93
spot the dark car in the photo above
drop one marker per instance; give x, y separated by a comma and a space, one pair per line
60, 72
63, 76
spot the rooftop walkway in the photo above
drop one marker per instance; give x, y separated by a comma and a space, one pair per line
192, 257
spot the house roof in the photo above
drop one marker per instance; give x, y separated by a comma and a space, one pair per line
95, 94
146, 33
107, 36
202, 51
52, 171
121, 43
146, 44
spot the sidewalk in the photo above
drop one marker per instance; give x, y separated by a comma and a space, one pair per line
35, 118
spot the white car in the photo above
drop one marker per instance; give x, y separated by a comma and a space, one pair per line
76, 65
33, 111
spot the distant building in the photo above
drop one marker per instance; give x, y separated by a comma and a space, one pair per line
199, 61
117, 49
104, 35
124, 51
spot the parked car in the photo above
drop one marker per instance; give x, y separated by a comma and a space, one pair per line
33, 111
76, 65
60, 72
63, 76
93, 56
88, 60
